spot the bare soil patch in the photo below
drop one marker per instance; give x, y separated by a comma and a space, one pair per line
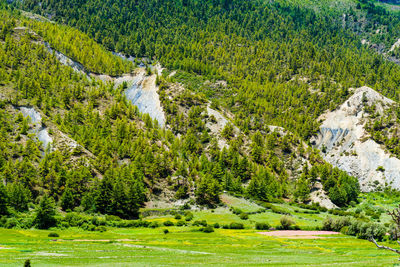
299, 234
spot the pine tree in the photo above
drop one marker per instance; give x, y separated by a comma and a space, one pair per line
45, 213
104, 195
3, 200
67, 200
19, 196
135, 199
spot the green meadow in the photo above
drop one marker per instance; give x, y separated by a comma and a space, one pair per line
184, 246
188, 246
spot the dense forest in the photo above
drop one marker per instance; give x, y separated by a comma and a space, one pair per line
271, 54
280, 68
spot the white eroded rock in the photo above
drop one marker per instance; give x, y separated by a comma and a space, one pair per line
41, 132
345, 143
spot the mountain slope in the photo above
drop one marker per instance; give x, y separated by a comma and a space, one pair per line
345, 142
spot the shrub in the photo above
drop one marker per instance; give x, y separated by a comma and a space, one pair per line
235, 225
110, 218
180, 223
168, 223
236, 211
101, 229
286, 222
53, 234
208, 229
165, 231
327, 224
178, 217
200, 223
74, 219
186, 206
216, 225
244, 216
188, 216
262, 226
11, 223
154, 225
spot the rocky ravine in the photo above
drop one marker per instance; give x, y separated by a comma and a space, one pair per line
142, 90
345, 143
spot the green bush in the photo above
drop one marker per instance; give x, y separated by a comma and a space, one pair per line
165, 231
11, 223
200, 223
208, 229
181, 223
354, 227
244, 216
235, 225
286, 222
178, 217
101, 229
53, 234
236, 211
168, 223
188, 216
216, 225
110, 218
262, 226
154, 225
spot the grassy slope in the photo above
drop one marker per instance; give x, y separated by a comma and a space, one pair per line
182, 246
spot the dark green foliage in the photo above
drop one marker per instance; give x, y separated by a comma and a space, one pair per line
188, 216
208, 190
235, 225
264, 187
45, 213
200, 223
208, 229
53, 234
181, 223
286, 222
354, 227
168, 223
67, 200
3, 200
27, 263
244, 216
19, 196
262, 226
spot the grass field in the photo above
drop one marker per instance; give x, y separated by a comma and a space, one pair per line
188, 246
183, 246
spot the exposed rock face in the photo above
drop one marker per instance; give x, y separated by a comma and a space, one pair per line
142, 89
345, 143
318, 195
395, 45
142, 92
77, 67
36, 119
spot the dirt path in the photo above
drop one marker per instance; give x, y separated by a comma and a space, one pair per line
299, 234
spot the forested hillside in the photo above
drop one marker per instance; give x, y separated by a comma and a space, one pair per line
108, 158
273, 55
260, 64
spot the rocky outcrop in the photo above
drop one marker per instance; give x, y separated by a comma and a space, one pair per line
36, 119
142, 92
345, 144
142, 89
77, 67
318, 195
